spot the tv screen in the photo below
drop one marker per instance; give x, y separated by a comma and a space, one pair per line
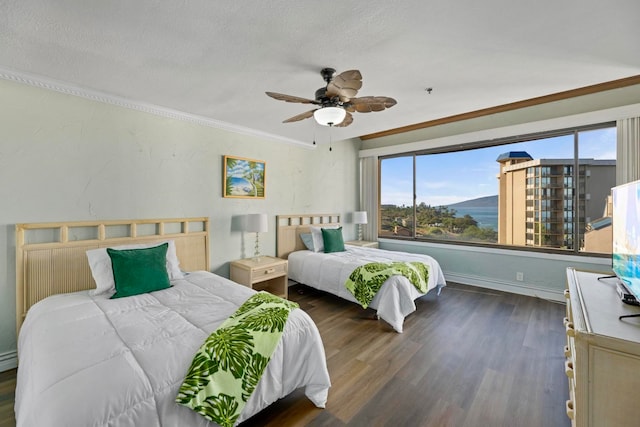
626, 235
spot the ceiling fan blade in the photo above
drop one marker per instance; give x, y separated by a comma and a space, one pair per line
300, 116
290, 98
367, 104
348, 119
345, 85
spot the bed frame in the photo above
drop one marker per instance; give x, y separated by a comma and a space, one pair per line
289, 228
51, 259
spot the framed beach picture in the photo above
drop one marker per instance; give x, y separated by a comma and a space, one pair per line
243, 178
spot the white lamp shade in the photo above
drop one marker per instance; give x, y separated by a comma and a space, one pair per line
329, 115
256, 223
360, 217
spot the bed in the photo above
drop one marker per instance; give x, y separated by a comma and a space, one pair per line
88, 360
329, 271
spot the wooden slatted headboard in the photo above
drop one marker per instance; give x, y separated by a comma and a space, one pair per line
291, 226
51, 258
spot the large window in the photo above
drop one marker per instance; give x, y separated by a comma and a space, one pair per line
546, 191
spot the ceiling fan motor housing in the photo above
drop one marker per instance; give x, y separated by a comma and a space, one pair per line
327, 74
324, 100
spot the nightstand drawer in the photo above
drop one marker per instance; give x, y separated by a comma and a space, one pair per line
266, 273
362, 243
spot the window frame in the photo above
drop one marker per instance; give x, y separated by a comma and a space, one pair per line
503, 141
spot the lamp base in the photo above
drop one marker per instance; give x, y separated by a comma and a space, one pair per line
256, 255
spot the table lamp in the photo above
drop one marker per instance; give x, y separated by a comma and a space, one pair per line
360, 217
256, 223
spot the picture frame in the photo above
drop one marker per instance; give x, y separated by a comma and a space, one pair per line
243, 178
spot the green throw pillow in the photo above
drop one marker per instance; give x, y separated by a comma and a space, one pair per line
333, 241
138, 271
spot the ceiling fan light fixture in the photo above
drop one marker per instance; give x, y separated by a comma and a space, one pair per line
329, 116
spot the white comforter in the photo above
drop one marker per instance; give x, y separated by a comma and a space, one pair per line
329, 272
91, 361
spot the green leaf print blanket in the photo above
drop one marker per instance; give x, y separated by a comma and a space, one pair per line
226, 369
366, 280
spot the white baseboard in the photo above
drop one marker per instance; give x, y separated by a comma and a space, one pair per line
8, 360
515, 288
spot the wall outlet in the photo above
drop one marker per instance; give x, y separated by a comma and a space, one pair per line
519, 276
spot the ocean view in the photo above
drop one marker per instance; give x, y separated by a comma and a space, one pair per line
240, 186
486, 216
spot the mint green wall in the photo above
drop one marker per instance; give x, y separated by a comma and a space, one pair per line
543, 275
66, 158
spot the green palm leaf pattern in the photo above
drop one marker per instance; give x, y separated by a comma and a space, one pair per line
231, 347
222, 409
228, 366
270, 319
197, 378
249, 305
366, 280
252, 375
259, 299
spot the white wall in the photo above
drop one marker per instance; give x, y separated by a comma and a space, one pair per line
65, 158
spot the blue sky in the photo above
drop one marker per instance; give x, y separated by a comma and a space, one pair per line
454, 177
242, 168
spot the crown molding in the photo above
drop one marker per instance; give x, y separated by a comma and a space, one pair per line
93, 95
559, 96
562, 122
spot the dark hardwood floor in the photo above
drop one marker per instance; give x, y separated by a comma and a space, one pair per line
7, 394
469, 357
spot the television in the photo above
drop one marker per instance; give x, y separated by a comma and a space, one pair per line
626, 235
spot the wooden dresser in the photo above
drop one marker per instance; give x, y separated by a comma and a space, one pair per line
603, 353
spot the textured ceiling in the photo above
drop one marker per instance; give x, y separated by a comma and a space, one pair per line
216, 59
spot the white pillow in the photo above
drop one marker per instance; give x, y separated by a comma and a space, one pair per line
307, 240
316, 235
102, 272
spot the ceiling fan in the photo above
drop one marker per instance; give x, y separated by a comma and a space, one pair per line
336, 101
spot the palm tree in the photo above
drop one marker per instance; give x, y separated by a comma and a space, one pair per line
249, 175
230, 164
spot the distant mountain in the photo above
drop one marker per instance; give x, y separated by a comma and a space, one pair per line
480, 202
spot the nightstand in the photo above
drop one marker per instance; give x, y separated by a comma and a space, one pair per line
362, 243
265, 273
